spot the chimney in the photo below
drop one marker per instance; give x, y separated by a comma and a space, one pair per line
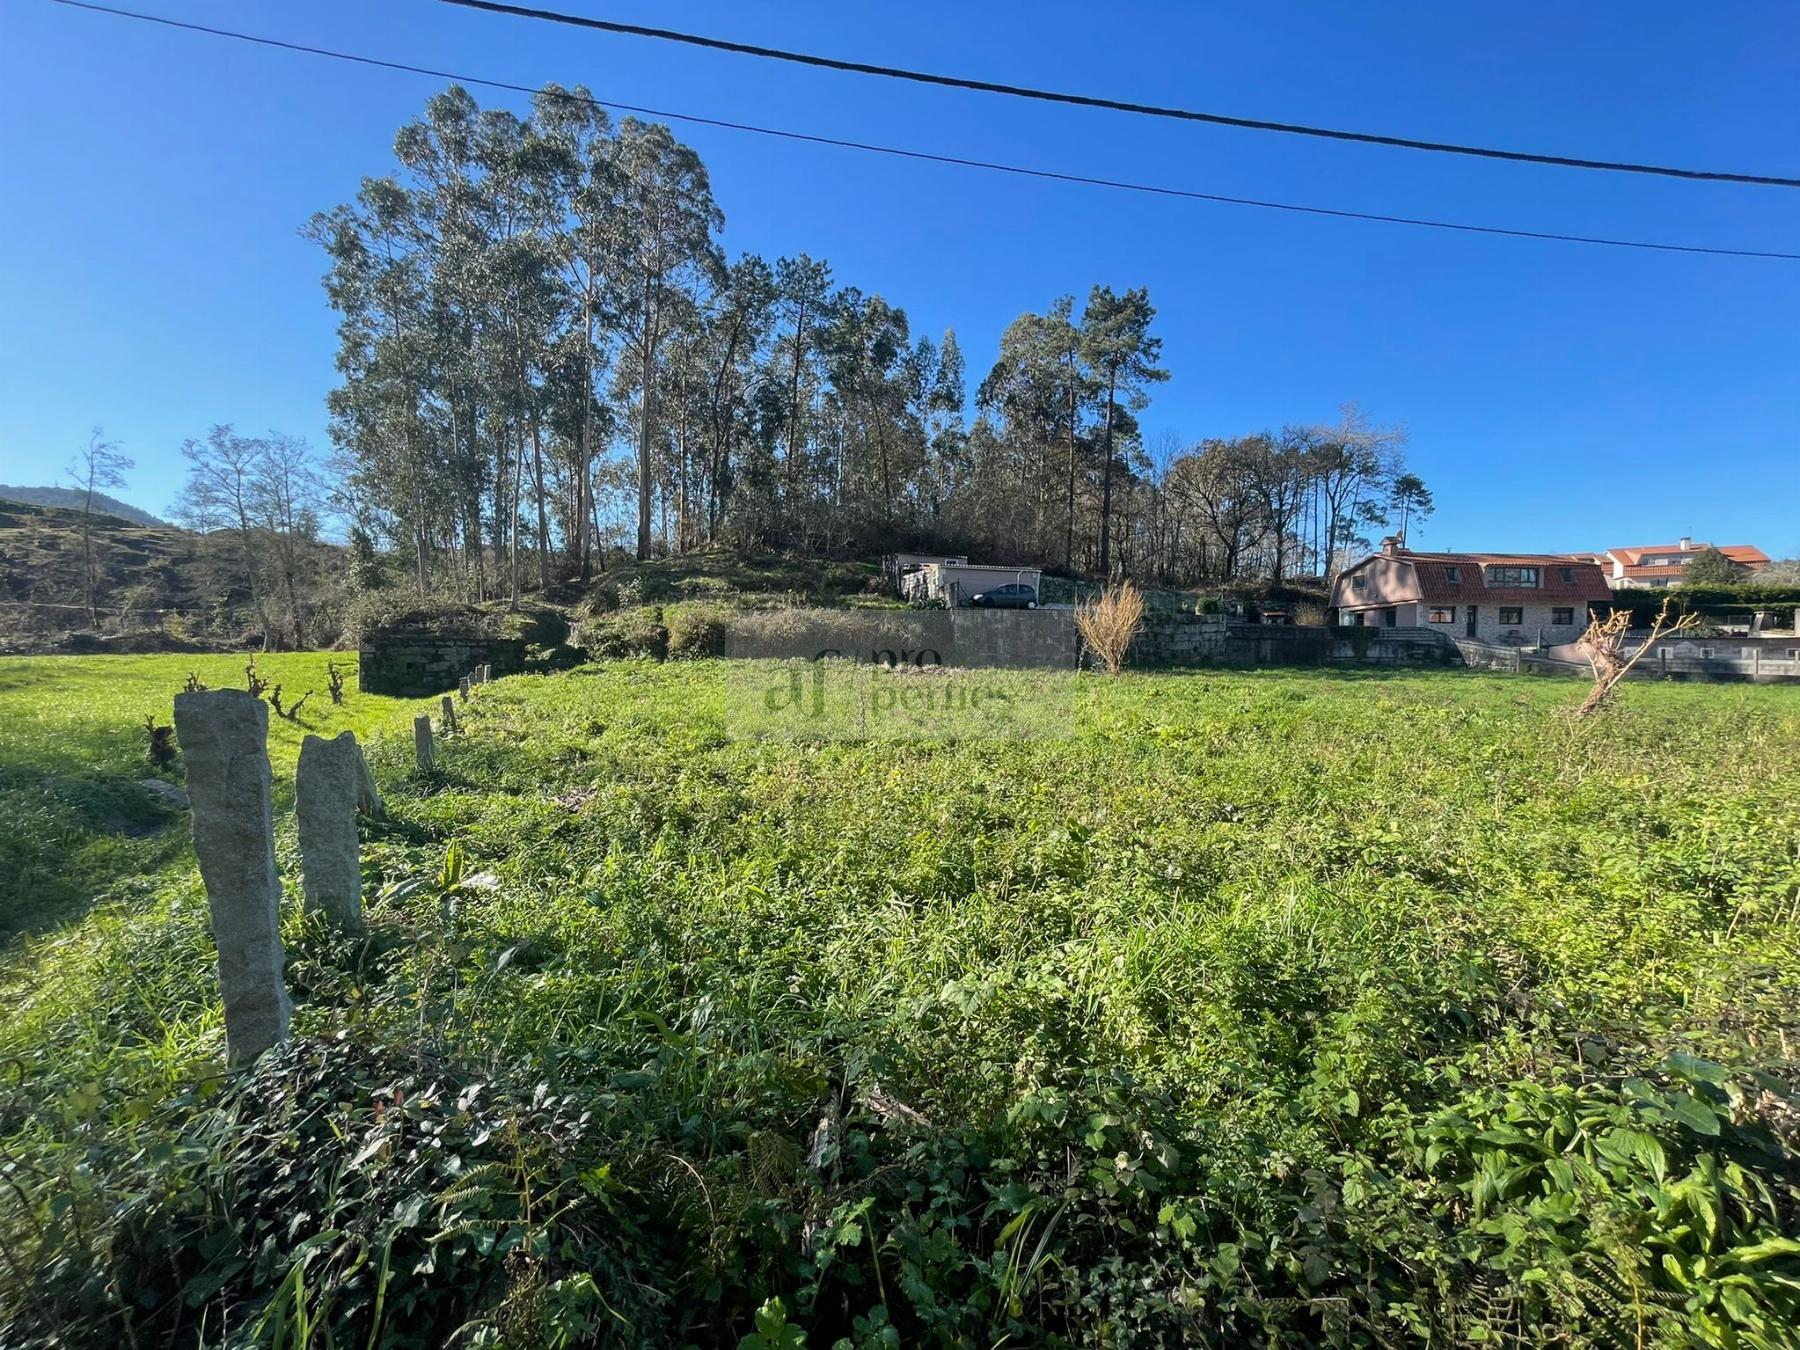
1390, 546
1687, 544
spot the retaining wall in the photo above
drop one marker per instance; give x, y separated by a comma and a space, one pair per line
413, 664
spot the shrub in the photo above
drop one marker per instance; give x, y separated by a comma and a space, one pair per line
696, 629
630, 632
1110, 622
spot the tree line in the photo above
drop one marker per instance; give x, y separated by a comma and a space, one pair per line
544, 352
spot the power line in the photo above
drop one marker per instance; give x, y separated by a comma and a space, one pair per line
933, 158
1116, 105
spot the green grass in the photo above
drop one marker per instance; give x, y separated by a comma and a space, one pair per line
1286, 1007
73, 754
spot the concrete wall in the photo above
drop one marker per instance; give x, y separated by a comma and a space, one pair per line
1014, 637
933, 637
413, 665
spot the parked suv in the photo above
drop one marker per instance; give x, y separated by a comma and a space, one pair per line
1016, 596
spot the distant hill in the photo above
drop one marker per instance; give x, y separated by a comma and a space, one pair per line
71, 499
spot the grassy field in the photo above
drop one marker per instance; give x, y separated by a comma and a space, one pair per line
1276, 1007
73, 756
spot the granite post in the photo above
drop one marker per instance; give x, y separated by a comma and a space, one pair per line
224, 735
330, 784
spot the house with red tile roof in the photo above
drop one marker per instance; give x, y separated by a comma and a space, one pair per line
1498, 597
1657, 565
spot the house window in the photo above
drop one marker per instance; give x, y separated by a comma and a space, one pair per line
1562, 615
1568, 576
1514, 614
1512, 576
1443, 614
1453, 575
1358, 583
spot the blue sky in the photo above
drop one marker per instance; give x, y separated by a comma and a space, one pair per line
1558, 396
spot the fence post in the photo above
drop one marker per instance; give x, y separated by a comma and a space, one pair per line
331, 782
423, 749
225, 741
449, 706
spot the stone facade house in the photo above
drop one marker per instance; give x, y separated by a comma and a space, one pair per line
1497, 597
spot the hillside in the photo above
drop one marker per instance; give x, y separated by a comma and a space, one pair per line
160, 588
71, 499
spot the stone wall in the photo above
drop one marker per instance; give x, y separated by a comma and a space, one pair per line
1180, 640
1211, 639
411, 664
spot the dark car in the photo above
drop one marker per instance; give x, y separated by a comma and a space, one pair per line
1016, 596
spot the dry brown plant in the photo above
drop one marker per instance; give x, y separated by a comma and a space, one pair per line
1109, 622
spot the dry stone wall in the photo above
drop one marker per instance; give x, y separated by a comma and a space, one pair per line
416, 665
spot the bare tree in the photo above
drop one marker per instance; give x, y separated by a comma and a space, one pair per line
225, 481
97, 465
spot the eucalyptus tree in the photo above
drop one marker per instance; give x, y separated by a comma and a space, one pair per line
866, 350
581, 155
661, 243
946, 434
441, 152
522, 303
726, 362
377, 281
805, 300
1117, 345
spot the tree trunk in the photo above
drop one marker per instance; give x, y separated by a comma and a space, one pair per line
586, 455
646, 414
518, 479
543, 520
1106, 470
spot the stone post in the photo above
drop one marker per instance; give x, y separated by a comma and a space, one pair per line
224, 737
475, 675
422, 747
487, 673
330, 784
463, 689
449, 706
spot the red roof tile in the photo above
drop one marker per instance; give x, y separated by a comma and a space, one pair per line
1747, 555
1585, 580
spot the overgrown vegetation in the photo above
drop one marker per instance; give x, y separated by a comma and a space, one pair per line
1295, 1008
